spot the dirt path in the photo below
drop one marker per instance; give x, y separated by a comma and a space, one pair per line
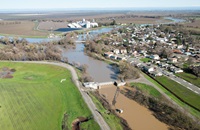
137, 116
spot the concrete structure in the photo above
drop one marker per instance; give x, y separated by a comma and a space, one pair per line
92, 85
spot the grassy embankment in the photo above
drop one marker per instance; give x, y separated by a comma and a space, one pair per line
147, 89
182, 92
36, 99
190, 78
111, 119
174, 98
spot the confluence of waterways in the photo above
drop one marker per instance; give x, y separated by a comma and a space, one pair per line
98, 70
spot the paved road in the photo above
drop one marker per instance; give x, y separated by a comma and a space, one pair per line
181, 81
99, 119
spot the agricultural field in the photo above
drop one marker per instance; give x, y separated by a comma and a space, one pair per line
194, 26
33, 97
180, 91
20, 28
190, 78
51, 26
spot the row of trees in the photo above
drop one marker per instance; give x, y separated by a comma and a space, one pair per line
163, 110
30, 52
20, 49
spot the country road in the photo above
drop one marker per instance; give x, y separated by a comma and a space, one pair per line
98, 118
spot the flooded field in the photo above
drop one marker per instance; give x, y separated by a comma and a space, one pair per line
137, 116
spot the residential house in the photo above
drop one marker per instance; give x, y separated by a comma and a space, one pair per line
173, 60
148, 69
116, 51
108, 54
114, 57
121, 57
180, 47
156, 73
155, 57
177, 70
123, 50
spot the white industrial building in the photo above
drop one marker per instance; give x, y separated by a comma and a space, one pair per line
83, 24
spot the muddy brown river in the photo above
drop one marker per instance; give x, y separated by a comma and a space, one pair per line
137, 116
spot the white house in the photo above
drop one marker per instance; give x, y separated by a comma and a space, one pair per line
173, 60
148, 69
123, 51
156, 73
116, 51
155, 57
178, 70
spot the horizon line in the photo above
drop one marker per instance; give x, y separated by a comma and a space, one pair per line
109, 8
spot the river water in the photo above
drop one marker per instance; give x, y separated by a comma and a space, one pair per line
98, 70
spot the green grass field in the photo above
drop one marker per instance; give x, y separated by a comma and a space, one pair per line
190, 78
145, 59
35, 99
147, 89
182, 92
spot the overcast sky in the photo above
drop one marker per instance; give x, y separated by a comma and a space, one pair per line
66, 4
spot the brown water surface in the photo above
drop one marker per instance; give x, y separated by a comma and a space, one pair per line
137, 116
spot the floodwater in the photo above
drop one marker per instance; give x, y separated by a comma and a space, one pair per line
138, 117
98, 70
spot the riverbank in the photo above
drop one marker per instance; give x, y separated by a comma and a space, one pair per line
137, 116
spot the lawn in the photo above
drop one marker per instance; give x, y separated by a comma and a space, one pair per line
190, 78
35, 99
147, 89
145, 59
180, 91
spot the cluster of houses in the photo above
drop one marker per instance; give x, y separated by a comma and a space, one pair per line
146, 38
150, 67
117, 54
